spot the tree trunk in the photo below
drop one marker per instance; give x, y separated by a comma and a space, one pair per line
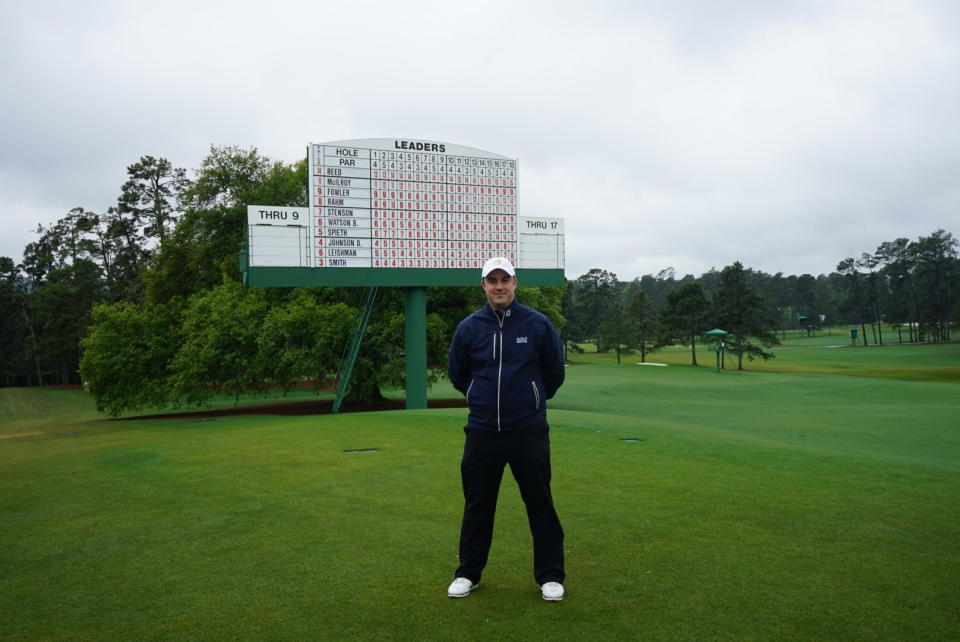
946, 315
33, 341
879, 328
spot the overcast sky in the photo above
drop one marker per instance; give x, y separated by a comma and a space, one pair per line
678, 133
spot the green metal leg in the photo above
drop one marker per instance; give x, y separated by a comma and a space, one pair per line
352, 350
415, 329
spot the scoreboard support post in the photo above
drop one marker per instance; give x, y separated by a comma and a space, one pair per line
415, 338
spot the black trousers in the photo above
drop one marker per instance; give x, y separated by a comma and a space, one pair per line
485, 454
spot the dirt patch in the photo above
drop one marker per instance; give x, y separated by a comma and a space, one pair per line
293, 408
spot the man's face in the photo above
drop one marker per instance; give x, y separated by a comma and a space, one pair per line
499, 287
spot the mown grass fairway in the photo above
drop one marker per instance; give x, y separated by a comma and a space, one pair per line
756, 506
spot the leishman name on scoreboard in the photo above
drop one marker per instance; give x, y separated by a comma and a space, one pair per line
344, 253
418, 146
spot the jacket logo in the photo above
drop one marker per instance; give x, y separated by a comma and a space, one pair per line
521, 339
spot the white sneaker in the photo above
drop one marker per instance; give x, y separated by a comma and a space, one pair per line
552, 591
461, 587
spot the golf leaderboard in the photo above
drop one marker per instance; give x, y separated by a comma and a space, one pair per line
396, 212
398, 204
401, 204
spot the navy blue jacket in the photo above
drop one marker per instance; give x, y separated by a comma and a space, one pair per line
506, 366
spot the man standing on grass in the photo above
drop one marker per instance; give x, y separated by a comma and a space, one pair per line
507, 359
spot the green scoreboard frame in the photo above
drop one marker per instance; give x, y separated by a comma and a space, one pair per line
383, 277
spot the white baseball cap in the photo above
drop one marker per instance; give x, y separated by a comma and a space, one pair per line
498, 263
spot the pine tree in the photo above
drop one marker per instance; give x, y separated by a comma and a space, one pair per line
742, 313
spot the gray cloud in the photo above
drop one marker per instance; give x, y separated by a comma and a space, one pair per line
688, 134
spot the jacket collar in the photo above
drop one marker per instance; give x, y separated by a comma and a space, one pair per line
511, 309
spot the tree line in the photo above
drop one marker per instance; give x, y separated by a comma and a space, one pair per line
143, 303
910, 288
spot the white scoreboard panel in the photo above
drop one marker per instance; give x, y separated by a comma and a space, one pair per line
541, 243
392, 203
279, 236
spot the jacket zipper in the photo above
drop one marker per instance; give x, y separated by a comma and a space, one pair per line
468, 391
499, 368
536, 393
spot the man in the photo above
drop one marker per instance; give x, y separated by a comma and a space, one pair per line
507, 359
